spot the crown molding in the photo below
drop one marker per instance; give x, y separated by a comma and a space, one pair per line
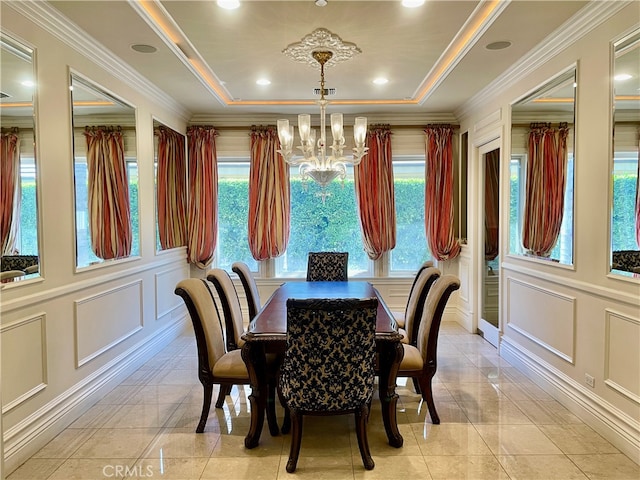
56, 24
583, 22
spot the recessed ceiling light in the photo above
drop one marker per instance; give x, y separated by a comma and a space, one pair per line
229, 4
412, 3
622, 77
321, 3
27, 83
498, 45
142, 48
263, 81
380, 81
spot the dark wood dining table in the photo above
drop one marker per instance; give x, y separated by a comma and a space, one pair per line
267, 334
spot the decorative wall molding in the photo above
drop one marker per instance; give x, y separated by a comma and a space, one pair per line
491, 120
26, 352
28, 436
622, 341
165, 282
95, 332
528, 313
616, 426
82, 285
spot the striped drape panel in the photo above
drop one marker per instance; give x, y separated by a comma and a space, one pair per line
545, 183
375, 194
638, 196
9, 191
108, 192
172, 188
269, 196
439, 192
203, 196
491, 204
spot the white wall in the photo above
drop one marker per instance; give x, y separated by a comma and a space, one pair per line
557, 323
69, 336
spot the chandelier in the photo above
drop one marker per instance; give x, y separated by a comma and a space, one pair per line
315, 161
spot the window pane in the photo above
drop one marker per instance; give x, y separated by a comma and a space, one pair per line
411, 241
27, 241
320, 225
625, 177
233, 214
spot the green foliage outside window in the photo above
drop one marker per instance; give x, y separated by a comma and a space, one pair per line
623, 220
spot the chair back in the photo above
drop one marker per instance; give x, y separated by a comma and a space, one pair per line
426, 264
329, 362
207, 325
435, 304
327, 266
416, 301
231, 308
249, 286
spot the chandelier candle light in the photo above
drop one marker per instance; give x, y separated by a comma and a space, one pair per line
322, 168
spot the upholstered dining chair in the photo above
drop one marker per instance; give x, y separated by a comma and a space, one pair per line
215, 365
415, 304
400, 316
249, 286
420, 362
327, 266
329, 365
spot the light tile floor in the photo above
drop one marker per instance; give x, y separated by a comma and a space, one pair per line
495, 424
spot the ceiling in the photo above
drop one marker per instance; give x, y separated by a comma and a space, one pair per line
208, 59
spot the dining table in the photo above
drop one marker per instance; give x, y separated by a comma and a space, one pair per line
267, 335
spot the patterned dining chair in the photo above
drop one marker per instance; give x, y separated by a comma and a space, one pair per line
329, 365
215, 365
327, 266
420, 361
249, 286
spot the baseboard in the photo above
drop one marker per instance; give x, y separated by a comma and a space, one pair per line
616, 426
31, 434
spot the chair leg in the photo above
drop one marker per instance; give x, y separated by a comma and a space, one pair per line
272, 420
286, 422
296, 440
206, 406
362, 415
416, 385
224, 391
427, 396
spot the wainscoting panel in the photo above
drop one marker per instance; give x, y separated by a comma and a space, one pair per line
24, 360
106, 319
545, 317
622, 368
166, 299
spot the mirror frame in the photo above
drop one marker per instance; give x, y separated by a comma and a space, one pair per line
519, 119
620, 47
103, 119
26, 49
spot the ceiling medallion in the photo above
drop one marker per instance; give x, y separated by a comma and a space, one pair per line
321, 39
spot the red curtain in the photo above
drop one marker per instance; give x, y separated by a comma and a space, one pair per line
545, 183
108, 192
491, 204
439, 192
172, 188
203, 196
9, 190
375, 193
269, 196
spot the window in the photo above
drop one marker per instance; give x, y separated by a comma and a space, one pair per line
85, 255
233, 214
411, 241
625, 177
27, 241
317, 224
563, 250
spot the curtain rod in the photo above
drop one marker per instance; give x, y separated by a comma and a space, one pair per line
527, 125
393, 127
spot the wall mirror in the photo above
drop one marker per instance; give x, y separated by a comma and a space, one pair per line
625, 212
170, 166
104, 149
19, 201
542, 134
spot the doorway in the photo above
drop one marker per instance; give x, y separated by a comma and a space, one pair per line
489, 321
